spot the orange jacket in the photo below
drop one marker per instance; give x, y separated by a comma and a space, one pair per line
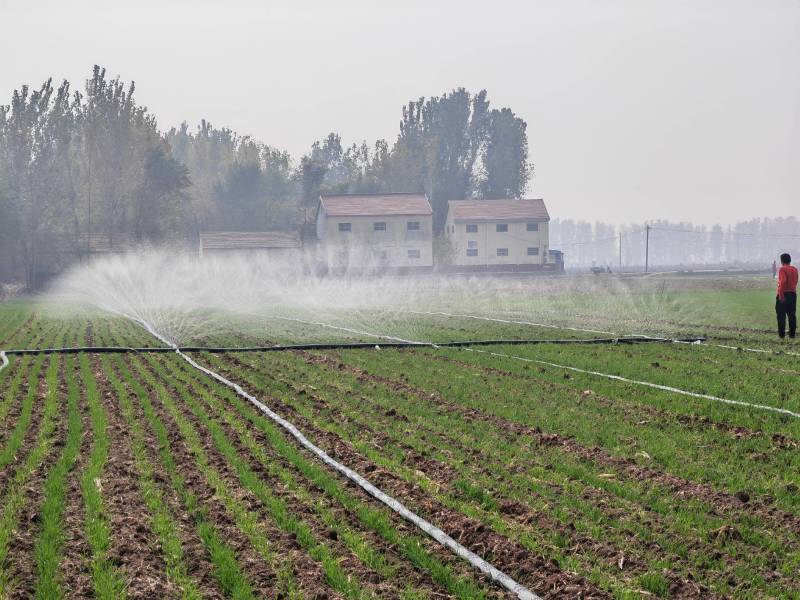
787, 280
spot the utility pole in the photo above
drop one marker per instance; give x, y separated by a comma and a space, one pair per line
647, 247
620, 250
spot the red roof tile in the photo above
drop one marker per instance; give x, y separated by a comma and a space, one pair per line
498, 210
373, 205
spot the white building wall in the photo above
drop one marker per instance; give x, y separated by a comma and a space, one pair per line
487, 240
363, 246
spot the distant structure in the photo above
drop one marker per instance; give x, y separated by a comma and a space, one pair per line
86, 246
268, 244
375, 231
501, 235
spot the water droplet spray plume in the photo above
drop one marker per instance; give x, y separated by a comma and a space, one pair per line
192, 300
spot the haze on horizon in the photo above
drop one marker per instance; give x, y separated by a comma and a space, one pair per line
635, 109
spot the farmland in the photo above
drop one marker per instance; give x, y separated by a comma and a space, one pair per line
134, 474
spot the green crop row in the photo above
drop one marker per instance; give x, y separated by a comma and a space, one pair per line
377, 520
512, 473
15, 490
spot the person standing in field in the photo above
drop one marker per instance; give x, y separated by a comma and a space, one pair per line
786, 299
774, 269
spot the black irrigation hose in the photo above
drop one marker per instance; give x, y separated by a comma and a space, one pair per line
345, 346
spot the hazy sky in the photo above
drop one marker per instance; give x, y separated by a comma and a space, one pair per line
636, 110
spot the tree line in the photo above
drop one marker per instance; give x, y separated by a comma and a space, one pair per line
88, 169
752, 243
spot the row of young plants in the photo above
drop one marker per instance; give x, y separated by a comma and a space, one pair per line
732, 448
515, 471
371, 435
153, 450
69, 384
357, 522
27, 451
757, 378
160, 383
13, 316
622, 419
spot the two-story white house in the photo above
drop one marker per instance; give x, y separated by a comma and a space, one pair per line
375, 231
499, 234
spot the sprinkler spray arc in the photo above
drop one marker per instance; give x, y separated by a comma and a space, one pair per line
437, 534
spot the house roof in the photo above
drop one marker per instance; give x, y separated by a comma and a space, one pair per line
499, 210
373, 205
248, 240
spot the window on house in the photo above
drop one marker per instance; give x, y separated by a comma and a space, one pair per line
472, 252
472, 244
413, 253
344, 226
412, 225
472, 228
532, 227
379, 226
501, 227
533, 251
502, 252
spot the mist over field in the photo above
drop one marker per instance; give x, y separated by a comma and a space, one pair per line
662, 114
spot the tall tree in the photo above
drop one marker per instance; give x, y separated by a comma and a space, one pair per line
155, 210
505, 156
439, 144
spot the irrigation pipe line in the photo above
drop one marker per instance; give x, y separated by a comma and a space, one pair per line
698, 341
437, 534
657, 386
334, 346
642, 338
743, 349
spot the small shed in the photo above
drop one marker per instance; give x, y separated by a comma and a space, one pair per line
272, 243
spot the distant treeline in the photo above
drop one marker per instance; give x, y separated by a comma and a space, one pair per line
90, 169
749, 243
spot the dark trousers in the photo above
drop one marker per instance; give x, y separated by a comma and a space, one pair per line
787, 308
